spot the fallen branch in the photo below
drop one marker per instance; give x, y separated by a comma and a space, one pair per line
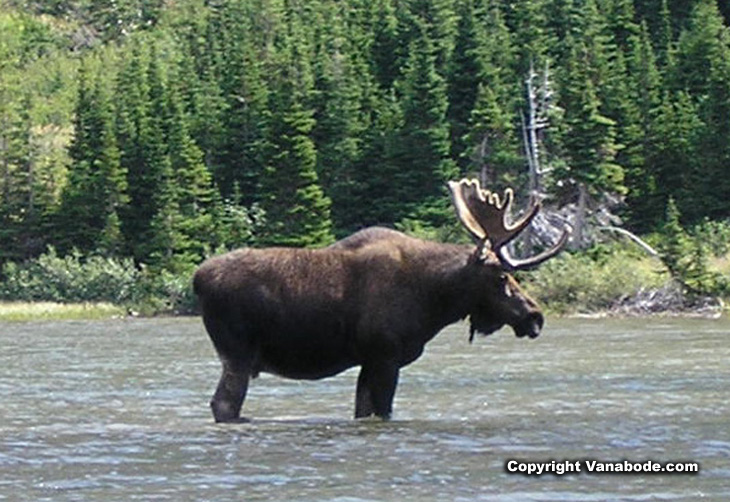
643, 244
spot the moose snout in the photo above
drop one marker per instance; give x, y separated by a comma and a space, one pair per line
530, 326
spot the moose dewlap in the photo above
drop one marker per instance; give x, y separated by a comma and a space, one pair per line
371, 300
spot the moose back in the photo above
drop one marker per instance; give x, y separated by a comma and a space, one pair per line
371, 300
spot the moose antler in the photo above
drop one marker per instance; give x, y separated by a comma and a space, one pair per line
483, 214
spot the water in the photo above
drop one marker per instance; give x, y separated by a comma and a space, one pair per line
117, 410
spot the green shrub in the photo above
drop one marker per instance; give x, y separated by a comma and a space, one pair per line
597, 280
70, 278
165, 292
74, 278
715, 235
686, 255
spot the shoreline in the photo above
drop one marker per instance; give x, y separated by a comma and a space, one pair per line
23, 311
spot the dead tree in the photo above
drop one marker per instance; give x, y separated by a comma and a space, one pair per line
535, 123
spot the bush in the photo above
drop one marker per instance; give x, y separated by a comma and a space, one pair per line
70, 279
597, 280
715, 235
165, 292
73, 278
686, 255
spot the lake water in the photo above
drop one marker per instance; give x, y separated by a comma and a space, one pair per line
118, 410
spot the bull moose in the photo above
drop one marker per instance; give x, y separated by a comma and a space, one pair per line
373, 300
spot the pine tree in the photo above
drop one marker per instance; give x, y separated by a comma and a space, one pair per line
565, 21
192, 192
97, 188
343, 100
377, 199
686, 258
385, 45
169, 246
434, 19
702, 67
529, 32
464, 76
664, 36
487, 134
675, 243
674, 159
111, 177
588, 139
715, 112
19, 216
491, 137
423, 147
297, 210
621, 23
645, 83
243, 92
135, 133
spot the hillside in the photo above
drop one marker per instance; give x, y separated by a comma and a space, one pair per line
164, 130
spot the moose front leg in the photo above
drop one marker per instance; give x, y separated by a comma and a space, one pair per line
363, 398
376, 386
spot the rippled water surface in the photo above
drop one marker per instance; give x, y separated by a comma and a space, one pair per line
117, 410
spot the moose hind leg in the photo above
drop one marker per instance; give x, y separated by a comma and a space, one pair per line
229, 396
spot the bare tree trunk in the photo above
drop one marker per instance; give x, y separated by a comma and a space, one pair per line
4, 152
487, 176
533, 125
580, 216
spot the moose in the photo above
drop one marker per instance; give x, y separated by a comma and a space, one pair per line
373, 299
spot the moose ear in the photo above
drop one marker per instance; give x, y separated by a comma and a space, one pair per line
483, 255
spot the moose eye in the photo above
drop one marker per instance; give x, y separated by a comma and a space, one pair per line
504, 283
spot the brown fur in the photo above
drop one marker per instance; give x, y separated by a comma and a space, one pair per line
372, 300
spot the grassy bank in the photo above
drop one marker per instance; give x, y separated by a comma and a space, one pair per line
38, 311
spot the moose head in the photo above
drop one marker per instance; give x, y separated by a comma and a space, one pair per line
484, 214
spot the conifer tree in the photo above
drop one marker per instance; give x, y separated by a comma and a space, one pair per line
343, 100
621, 22
19, 216
487, 135
588, 139
531, 38
434, 19
423, 147
674, 160
385, 47
702, 67
97, 188
373, 187
236, 45
192, 192
644, 80
491, 139
135, 131
169, 246
464, 76
297, 210
664, 36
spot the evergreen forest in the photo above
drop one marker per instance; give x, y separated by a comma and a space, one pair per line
158, 132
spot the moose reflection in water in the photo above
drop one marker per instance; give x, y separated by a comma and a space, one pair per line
373, 299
